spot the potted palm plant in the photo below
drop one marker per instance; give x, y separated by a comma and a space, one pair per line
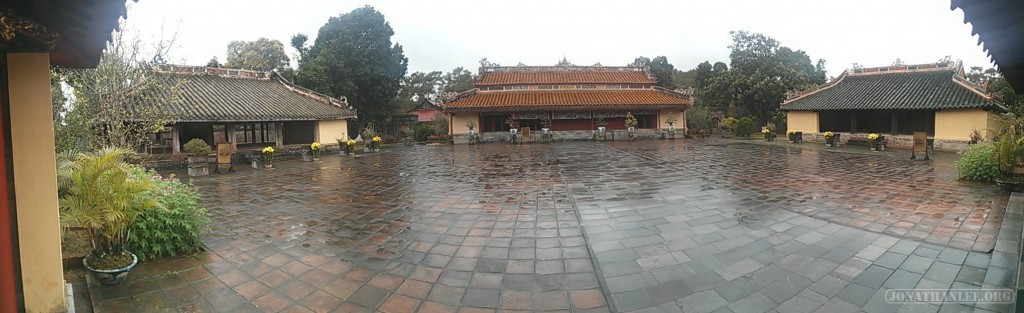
1009, 146
103, 197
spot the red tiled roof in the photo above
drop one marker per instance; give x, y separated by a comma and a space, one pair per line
568, 99
564, 77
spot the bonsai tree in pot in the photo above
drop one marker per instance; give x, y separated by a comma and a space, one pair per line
197, 150
1009, 146
103, 197
631, 124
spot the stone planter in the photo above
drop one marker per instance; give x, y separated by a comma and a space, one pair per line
1009, 185
197, 166
111, 277
307, 158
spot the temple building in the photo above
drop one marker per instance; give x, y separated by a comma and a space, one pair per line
570, 100
248, 109
896, 101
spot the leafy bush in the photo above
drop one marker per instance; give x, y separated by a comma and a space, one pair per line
175, 227
978, 163
440, 123
745, 126
197, 147
424, 131
697, 118
728, 123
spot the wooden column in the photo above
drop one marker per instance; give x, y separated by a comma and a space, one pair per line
176, 139
893, 127
229, 131
853, 122
279, 138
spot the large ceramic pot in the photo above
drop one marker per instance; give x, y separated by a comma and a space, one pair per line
111, 277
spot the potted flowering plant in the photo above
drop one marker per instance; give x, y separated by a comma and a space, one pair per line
873, 141
375, 143
830, 139
767, 134
350, 147
268, 157
316, 148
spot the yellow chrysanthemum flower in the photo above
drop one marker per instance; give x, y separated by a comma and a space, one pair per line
268, 149
315, 146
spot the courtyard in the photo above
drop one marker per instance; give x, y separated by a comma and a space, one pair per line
662, 225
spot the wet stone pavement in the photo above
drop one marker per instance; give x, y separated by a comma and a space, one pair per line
660, 226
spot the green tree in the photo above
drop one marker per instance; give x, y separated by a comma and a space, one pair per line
214, 62
117, 104
419, 86
458, 80
996, 85
660, 68
353, 57
260, 55
760, 73
684, 79
702, 75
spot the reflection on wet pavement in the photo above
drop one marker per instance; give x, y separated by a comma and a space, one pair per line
583, 226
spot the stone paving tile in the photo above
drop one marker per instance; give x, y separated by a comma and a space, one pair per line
652, 226
403, 230
798, 235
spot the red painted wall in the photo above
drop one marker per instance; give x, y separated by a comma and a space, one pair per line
581, 124
8, 287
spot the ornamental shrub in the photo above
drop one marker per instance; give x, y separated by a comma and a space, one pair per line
173, 228
728, 123
745, 127
424, 131
978, 163
197, 147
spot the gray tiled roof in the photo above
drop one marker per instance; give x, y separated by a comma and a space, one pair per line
913, 90
209, 98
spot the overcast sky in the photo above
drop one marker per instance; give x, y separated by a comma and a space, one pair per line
441, 35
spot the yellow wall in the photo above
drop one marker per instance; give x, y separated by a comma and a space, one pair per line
802, 121
680, 115
327, 132
459, 123
35, 182
958, 124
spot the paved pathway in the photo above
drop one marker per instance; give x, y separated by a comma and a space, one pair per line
668, 226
